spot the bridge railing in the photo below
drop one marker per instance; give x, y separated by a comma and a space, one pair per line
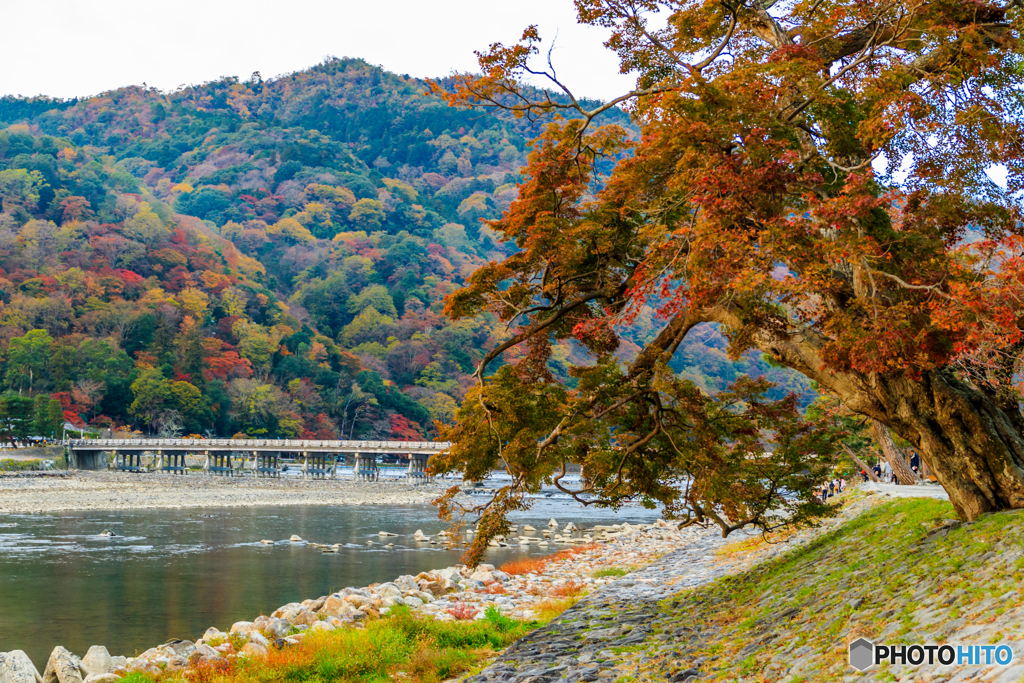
266, 444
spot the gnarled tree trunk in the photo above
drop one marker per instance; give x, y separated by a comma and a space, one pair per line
971, 443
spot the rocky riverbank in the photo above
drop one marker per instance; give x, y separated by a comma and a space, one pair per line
78, 490
653, 603
593, 558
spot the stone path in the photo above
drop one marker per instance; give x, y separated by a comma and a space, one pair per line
620, 630
918, 491
584, 643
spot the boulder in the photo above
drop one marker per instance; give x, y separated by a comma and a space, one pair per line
528, 528
483, 567
389, 590
337, 606
180, 648
97, 661
295, 538
406, 583
278, 628
258, 638
118, 663
16, 667
214, 633
356, 600
553, 524
385, 534
101, 678
483, 577
267, 541
321, 626
423, 596
315, 605
62, 667
207, 653
304, 617
253, 649
280, 611
241, 627
433, 587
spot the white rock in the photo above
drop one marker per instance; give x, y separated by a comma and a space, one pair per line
62, 667
385, 533
252, 649
18, 668
101, 678
528, 528
214, 633
553, 524
321, 626
295, 538
241, 627
97, 661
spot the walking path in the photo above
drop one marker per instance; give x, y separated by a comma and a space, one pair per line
917, 491
628, 630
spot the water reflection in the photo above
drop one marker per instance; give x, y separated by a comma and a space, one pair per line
173, 573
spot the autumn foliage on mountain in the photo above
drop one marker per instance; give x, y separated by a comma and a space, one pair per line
264, 257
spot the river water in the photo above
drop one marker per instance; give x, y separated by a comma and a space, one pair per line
174, 573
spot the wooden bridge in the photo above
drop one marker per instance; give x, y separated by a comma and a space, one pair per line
319, 459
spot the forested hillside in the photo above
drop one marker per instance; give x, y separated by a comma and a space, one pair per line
264, 257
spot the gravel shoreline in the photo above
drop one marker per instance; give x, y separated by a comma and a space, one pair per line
69, 491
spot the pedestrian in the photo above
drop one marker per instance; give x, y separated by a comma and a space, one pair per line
832, 487
864, 475
886, 471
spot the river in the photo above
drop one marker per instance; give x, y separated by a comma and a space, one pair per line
174, 573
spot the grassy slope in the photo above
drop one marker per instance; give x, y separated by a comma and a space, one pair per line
895, 574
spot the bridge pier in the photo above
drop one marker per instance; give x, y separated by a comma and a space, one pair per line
267, 464
128, 462
219, 463
365, 468
417, 467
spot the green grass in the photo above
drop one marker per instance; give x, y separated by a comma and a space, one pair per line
888, 558
611, 571
19, 465
400, 646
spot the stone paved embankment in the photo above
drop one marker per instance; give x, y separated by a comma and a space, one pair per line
584, 643
621, 630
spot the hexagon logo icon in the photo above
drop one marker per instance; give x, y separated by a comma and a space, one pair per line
862, 654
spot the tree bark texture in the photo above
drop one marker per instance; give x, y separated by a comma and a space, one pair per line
970, 442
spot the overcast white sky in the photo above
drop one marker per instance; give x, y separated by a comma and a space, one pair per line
66, 48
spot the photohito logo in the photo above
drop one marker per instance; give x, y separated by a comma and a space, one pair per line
864, 654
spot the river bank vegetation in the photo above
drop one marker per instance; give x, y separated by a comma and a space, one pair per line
398, 646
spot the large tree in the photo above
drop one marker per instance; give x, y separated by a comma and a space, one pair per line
811, 176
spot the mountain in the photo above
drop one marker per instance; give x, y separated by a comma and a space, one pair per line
264, 257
